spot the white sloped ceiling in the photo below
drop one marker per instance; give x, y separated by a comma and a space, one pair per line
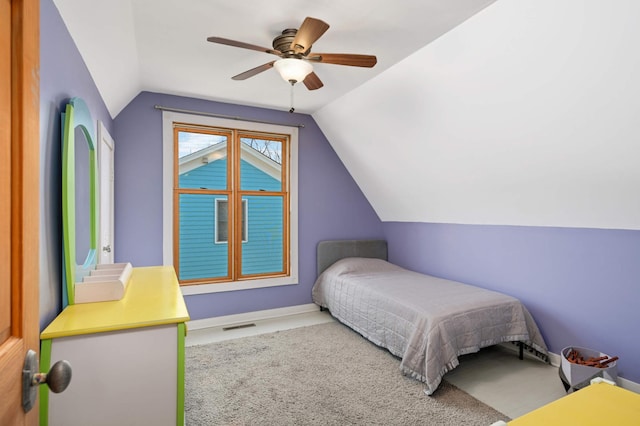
526, 114
131, 46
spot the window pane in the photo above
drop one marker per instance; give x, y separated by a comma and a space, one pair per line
202, 160
200, 256
262, 253
261, 165
222, 220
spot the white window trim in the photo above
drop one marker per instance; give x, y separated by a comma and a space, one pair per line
216, 221
168, 118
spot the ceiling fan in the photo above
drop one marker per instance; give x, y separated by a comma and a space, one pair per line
293, 47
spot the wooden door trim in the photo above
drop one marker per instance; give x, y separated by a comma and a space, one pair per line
25, 155
25, 181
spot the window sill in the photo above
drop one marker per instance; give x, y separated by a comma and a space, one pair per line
188, 290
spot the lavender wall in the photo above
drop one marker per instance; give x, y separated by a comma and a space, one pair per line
330, 204
581, 285
63, 75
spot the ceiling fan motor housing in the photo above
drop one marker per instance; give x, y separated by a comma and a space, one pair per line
283, 42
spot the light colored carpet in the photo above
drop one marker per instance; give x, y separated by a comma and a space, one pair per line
323, 374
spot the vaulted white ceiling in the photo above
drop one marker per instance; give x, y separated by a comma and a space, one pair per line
131, 46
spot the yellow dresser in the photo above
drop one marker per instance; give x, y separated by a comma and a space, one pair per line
127, 356
595, 405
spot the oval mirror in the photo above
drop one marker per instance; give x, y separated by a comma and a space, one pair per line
79, 196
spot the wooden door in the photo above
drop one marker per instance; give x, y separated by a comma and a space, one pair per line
19, 194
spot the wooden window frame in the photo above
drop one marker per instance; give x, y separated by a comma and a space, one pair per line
289, 275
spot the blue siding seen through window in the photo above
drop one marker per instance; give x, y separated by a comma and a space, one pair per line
208, 176
263, 251
200, 256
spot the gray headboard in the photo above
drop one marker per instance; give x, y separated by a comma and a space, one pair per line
329, 252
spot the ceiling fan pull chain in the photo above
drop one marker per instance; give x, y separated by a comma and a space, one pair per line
292, 108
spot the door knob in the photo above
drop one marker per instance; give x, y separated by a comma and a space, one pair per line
58, 378
107, 248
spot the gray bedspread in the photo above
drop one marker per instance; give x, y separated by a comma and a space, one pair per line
426, 321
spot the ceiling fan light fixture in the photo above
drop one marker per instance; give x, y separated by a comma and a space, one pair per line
293, 70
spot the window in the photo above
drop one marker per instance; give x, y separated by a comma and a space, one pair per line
222, 221
230, 203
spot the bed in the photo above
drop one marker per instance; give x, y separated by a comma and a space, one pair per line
425, 321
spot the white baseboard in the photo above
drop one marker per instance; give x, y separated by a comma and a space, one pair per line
555, 359
249, 317
629, 385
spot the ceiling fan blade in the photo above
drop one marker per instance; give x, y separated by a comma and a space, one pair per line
312, 81
367, 61
235, 43
310, 31
253, 71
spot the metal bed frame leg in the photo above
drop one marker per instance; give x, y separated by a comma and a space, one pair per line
521, 346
